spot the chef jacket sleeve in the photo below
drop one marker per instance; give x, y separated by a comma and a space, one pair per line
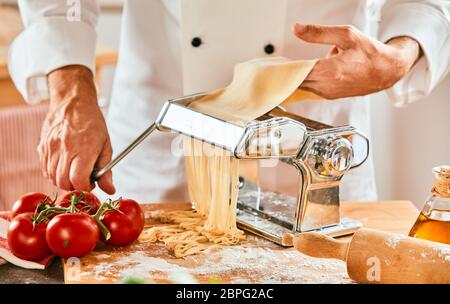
428, 22
57, 33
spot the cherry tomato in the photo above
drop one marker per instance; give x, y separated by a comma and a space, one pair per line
87, 202
27, 241
28, 203
72, 234
124, 225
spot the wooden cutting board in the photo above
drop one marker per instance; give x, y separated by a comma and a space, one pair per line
256, 261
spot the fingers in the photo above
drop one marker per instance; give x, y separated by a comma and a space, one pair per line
62, 172
326, 69
42, 152
105, 182
324, 77
68, 157
80, 171
342, 36
331, 90
52, 160
334, 51
73, 173
317, 88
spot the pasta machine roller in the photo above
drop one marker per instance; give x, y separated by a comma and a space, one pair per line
319, 153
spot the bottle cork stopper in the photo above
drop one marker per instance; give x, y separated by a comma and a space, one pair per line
442, 180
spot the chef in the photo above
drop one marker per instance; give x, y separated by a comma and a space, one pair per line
170, 48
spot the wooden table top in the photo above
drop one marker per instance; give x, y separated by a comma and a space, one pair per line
389, 216
108, 265
392, 216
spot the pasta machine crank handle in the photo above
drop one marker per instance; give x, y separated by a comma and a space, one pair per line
98, 172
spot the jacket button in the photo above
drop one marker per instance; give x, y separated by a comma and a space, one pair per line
196, 41
269, 49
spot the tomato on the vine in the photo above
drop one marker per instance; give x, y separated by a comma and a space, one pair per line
29, 202
72, 234
125, 223
26, 239
71, 227
85, 202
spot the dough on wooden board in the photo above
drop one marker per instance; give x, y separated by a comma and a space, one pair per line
257, 87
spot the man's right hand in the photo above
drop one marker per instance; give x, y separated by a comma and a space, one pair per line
74, 137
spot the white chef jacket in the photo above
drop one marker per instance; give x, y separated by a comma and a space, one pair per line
173, 47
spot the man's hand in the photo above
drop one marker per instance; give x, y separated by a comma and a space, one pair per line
74, 137
357, 65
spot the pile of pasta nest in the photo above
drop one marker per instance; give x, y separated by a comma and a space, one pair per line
213, 186
257, 87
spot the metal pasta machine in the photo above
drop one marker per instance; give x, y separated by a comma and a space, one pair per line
319, 153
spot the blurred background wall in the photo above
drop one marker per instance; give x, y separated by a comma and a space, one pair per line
406, 142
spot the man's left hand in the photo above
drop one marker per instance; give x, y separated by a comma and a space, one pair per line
358, 64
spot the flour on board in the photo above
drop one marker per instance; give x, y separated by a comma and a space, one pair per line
443, 253
244, 264
394, 240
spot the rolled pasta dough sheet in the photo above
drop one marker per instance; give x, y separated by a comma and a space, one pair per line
258, 86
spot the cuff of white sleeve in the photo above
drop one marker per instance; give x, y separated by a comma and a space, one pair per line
430, 28
45, 46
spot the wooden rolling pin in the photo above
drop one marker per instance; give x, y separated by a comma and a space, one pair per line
379, 257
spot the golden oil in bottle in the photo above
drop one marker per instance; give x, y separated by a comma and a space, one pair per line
429, 228
433, 222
